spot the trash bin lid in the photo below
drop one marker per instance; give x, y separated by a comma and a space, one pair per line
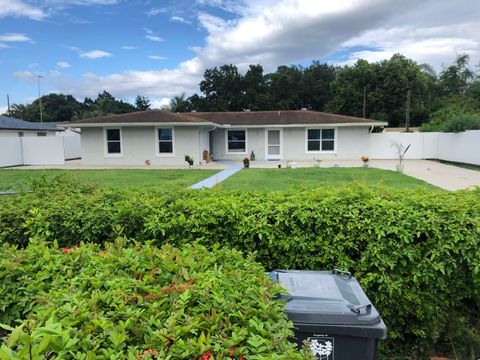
323, 297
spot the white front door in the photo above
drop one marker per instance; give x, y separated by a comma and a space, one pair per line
274, 150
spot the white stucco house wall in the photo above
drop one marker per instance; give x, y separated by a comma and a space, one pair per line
160, 137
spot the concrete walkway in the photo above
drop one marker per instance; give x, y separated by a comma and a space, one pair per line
219, 177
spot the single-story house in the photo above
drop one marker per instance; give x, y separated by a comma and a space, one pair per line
160, 137
19, 128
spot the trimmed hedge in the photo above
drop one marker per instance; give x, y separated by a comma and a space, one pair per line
415, 252
139, 302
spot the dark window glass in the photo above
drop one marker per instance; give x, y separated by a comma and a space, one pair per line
328, 145
165, 140
314, 146
237, 140
328, 134
236, 146
236, 135
113, 147
41, 134
113, 134
165, 134
165, 147
313, 134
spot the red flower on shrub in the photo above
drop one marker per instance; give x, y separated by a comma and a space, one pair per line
207, 355
66, 250
138, 276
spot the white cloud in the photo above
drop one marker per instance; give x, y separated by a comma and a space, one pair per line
150, 35
18, 8
154, 38
180, 19
275, 32
63, 64
159, 103
14, 37
128, 47
95, 54
156, 57
4, 46
81, 2
156, 11
3, 109
27, 76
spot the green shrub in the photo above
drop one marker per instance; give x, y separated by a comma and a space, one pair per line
415, 252
451, 119
129, 302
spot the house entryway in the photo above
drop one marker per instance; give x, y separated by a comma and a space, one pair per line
273, 144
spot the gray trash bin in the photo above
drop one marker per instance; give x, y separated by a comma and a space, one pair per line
332, 313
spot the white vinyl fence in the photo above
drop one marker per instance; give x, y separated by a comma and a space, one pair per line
11, 152
459, 147
45, 150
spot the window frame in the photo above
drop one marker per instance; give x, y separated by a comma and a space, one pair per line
105, 142
157, 142
334, 151
226, 142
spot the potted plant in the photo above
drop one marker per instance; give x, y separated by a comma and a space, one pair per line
189, 160
400, 150
365, 160
246, 162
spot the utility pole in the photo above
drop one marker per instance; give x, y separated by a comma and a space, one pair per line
364, 101
407, 115
8, 105
40, 98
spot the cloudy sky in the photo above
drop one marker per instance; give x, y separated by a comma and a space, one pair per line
161, 48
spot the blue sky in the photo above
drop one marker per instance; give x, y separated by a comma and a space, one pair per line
161, 48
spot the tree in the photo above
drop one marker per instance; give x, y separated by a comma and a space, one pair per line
142, 103
223, 88
179, 104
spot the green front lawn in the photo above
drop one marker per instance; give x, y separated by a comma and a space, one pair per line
125, 178
282, 179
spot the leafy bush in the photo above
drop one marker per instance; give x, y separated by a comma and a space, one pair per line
139, 302
415, 252
451, 119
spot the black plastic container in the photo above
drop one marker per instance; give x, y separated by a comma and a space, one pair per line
332, 314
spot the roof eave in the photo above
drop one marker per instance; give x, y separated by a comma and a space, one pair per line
131, 124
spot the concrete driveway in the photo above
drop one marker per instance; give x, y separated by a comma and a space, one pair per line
447, 177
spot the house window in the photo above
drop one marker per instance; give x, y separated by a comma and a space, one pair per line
114, 146
20, 134
41, 134
165, 140
236, 141
320, 140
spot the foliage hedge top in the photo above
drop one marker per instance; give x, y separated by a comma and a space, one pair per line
139, 302
415, 252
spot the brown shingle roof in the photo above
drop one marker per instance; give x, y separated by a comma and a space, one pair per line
239, 118
149, 116
287, 117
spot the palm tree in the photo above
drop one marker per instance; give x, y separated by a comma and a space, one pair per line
178, 104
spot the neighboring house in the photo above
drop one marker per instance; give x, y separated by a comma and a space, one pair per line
15, 127
164, 138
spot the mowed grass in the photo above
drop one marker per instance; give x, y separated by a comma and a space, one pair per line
282, 179
123, 178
